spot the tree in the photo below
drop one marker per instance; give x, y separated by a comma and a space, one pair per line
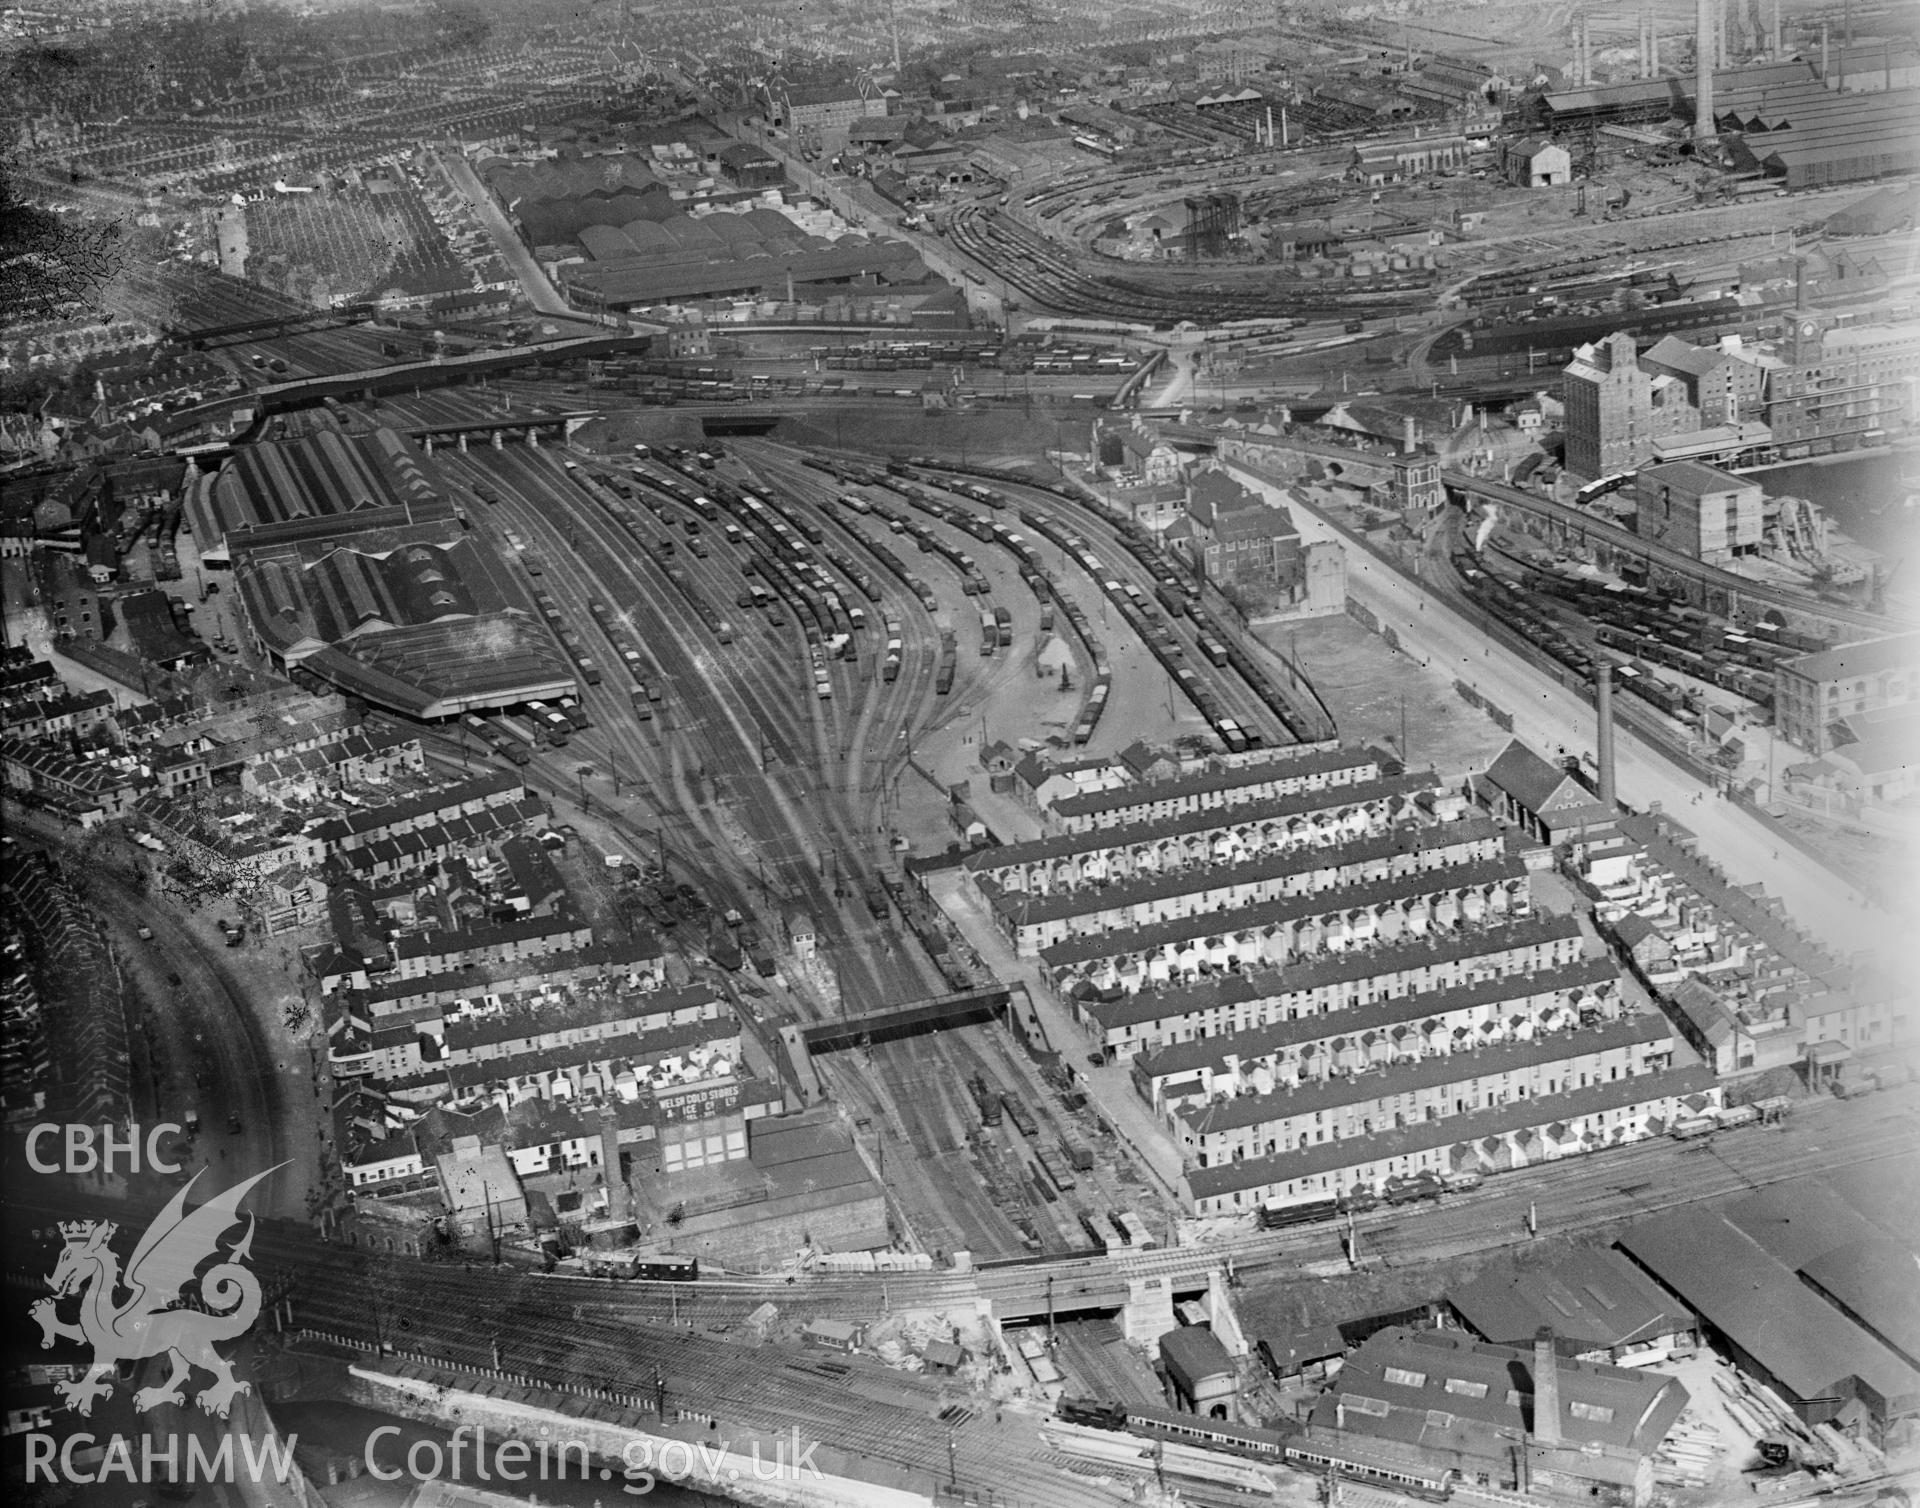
49, 261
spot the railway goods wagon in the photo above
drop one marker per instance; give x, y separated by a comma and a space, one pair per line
1018, 1113
1054, 1166
1042, 1188
1046, 618
1274, 1215
986, 1099
1094, 1235
641, 709
943, 677
989, 633
1413, 1188
876, 897
1078, 1157
1003, 627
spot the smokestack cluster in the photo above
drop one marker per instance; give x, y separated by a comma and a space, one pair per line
1703, 51
1603, 731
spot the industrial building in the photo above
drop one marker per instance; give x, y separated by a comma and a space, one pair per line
1813, 692
1617, 406
1793, 1283
1599, 1306
1709, 514
1513, 1419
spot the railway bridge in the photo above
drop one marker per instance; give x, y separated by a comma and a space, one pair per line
1562, 526
1739, 599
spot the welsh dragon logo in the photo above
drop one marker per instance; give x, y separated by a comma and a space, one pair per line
152, 1319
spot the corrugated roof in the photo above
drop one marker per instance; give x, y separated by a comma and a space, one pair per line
1597, 1299
1804, 1342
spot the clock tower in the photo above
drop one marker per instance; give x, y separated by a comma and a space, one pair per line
1804, 331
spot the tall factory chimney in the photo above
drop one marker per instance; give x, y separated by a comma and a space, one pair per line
1826, 59
1653, 47
1603, 731
1546, 1388
1774, 52
1409, 435
1703, 29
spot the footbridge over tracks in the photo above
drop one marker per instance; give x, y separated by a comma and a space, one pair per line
965, 1008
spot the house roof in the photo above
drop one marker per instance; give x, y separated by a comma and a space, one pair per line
1326, 969
1419, 1074
1191, 930
1425, 1136
1193, 1355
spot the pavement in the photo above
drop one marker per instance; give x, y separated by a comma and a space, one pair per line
1553, 720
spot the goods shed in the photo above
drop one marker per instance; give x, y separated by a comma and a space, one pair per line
1776, 1327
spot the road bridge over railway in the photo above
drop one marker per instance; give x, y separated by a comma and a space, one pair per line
965, 1008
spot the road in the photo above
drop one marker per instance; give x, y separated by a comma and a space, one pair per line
206, 1034
1552, 720
513, 251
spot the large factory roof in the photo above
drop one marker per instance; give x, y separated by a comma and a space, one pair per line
643, 279
1674, 92
417, 620
1804, 1342
1595, 1299
1436, 1383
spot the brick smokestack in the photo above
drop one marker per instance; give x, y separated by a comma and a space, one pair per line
1704, 49
1603, 731
619, 1206
1409, 439
1546, 1389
